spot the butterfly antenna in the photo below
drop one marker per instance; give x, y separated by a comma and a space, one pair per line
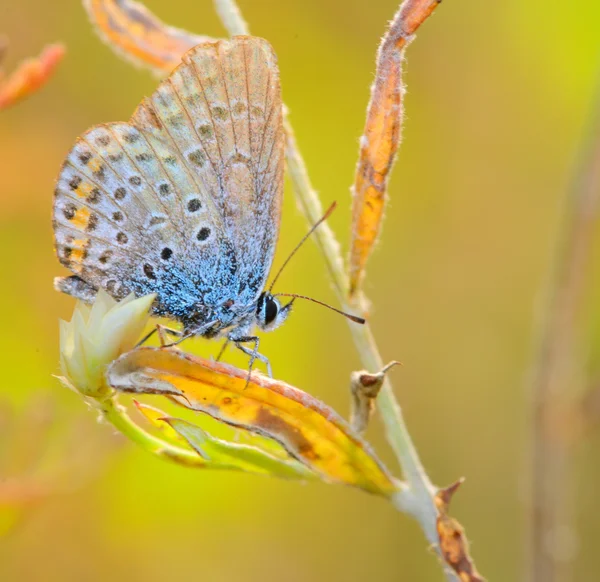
351, 317
313, 228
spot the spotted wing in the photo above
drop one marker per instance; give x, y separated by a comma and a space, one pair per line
123, 222
223, 108
176, 201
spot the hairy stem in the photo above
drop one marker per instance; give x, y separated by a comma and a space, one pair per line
231, 17
418, 498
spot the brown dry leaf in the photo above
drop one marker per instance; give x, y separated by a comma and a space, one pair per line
133, 31
453, 541
30, 75
381, 138
364, 389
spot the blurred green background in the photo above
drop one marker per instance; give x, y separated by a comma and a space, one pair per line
498, 99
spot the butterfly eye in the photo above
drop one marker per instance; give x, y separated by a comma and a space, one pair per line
267, 310
271, 310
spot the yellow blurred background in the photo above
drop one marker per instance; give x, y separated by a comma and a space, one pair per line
499, 95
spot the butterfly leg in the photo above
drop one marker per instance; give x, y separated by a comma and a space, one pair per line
222, 350
253, 353
186, 334
162, 335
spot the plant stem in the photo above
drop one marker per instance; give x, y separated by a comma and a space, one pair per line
418, 498
231, 17
554, 395
388, 406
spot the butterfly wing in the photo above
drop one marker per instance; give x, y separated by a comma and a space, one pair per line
222, 108
184, 200
242, 102
125, 223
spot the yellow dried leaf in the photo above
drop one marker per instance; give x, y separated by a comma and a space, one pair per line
381, 137
156, 417
133, 31
310, 431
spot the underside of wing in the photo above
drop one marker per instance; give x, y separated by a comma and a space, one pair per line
222, 108
185, 199
124, 222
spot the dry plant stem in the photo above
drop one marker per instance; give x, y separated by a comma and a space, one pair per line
418, 498
231, 17
556, 364
388, 407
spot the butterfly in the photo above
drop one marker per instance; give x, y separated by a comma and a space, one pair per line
184, 200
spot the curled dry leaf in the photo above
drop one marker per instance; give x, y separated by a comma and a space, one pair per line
381, 137
453, 541
133, 31
308, 430
364, 389
30, 75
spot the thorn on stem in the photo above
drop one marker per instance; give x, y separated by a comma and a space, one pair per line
454, 545
444, 496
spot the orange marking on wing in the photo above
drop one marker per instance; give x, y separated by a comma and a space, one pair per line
94, 165
84, 190
78, 254
81, 218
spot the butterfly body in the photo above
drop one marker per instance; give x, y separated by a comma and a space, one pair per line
184, 200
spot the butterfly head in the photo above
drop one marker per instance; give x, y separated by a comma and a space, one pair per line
270, 314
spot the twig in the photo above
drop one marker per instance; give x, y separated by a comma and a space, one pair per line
231, 17
556, 363
389, 409
418, 499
